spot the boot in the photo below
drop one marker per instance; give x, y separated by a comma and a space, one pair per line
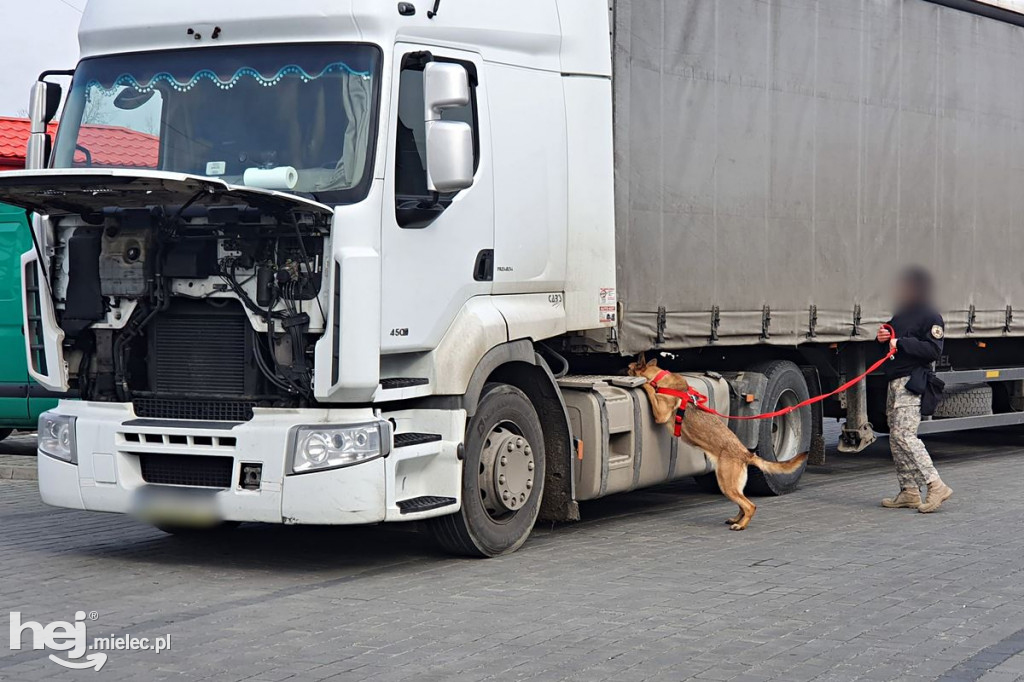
907, 499
938, 492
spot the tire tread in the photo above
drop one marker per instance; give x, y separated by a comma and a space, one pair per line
759, 483
967, 400
452, 532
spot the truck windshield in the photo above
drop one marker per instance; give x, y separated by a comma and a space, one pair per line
220, 112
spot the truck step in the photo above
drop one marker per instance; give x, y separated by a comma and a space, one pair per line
425, 503
402, 382
406, 440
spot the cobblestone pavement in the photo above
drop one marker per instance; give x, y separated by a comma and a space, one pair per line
17, 456
826, 585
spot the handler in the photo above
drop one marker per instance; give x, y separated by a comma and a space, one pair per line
918, 341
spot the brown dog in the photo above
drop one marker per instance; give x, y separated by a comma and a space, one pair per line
711, 435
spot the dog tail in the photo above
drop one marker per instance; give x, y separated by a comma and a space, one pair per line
787, 467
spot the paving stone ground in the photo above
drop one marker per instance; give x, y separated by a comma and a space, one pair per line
17, 457
825, 585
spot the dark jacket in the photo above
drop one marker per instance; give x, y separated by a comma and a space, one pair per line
920, 331
924, 383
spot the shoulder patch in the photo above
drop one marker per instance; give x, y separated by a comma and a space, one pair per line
937, 331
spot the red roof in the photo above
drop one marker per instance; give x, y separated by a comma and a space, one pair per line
110, 145
13, 139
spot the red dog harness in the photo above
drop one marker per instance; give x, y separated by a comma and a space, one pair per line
691, 396
688, 397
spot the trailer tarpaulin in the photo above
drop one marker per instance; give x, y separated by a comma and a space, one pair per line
777, 161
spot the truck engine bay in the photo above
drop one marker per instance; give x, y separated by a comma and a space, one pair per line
200, 311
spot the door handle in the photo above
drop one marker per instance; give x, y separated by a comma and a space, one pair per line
483, 270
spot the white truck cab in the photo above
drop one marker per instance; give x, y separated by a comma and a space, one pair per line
285, 250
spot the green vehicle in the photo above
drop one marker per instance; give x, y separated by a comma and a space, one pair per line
21, 399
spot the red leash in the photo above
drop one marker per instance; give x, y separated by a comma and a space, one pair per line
693, 397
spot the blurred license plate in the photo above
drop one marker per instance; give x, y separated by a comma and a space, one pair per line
180, 506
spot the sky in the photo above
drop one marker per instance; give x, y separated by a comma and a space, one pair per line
38, 35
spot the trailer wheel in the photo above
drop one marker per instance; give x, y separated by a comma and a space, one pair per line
783, 438
502, 477
966, 400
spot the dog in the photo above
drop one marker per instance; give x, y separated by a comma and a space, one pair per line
710, 434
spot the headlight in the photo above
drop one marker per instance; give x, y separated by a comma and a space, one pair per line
57, 437
316, 448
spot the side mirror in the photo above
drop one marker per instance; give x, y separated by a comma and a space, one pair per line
45, 102
449, 143
42, 109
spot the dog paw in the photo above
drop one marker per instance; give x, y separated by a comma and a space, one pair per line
736, 526
732, 522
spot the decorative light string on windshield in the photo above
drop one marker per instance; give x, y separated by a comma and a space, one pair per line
292, 70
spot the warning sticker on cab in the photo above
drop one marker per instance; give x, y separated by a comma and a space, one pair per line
607, 305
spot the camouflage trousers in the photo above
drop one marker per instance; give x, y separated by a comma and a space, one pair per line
914, 467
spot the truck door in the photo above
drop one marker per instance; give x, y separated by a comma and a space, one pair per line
437, 250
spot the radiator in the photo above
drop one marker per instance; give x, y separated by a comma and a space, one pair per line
198, 349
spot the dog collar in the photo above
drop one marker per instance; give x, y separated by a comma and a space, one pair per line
661, 375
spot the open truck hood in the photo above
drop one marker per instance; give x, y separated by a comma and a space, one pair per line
79, 191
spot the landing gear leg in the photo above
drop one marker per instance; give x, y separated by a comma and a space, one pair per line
857, 432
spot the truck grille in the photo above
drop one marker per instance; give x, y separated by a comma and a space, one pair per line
199, 349
201, 471
35, 317
199, 410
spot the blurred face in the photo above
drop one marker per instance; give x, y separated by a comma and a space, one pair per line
905, 293
908, 292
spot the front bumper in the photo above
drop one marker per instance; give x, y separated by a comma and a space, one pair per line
112, 444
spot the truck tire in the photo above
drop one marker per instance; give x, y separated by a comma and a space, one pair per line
4, 433
502, 477
965, 400
782, 438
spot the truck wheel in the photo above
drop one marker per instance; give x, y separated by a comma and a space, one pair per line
783, 438
502, 477
966, 400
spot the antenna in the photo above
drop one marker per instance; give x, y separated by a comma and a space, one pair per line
433, 13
